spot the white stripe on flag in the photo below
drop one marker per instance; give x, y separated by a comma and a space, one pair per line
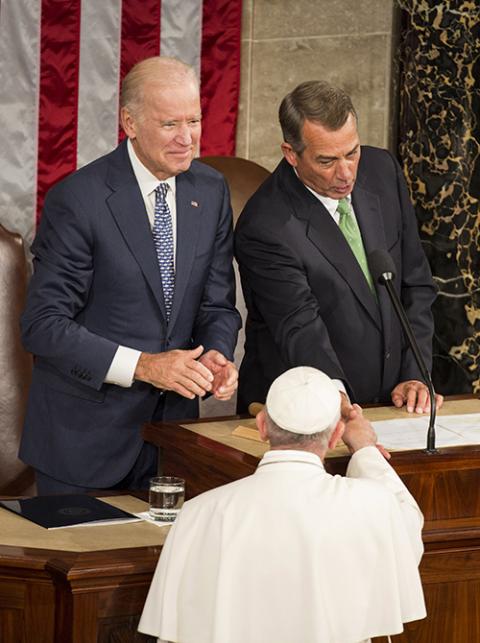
19, 72
99, 79
181, 31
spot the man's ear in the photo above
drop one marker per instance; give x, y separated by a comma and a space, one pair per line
289, 154
128, 122
336, 434
262, 425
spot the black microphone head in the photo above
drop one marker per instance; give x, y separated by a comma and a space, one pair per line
381, 266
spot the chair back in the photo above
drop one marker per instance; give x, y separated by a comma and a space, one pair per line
243, 178
16, 478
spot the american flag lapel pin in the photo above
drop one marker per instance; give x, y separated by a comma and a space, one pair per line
194, 203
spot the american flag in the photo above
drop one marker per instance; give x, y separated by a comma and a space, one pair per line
61, 64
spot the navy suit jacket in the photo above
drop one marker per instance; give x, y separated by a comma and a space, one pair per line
308, 301
96, 285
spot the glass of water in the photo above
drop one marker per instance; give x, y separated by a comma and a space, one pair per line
166, 496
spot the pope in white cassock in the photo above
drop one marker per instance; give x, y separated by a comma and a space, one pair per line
292, 554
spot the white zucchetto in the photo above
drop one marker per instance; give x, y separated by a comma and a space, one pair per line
303, 400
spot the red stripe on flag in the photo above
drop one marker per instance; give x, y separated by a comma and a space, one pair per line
58, 93
140, 34
220, 75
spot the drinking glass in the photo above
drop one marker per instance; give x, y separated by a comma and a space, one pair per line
166, 496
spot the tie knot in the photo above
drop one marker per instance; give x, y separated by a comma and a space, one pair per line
161, 190
343, 208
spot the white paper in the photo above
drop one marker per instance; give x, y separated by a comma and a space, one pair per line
98, 523
145, 515
411, 433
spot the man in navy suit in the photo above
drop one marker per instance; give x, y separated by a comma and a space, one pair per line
310, 297
131, 309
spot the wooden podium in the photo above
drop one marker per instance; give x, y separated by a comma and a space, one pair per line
50, 594
446, 485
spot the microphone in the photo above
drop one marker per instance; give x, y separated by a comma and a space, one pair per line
382, 270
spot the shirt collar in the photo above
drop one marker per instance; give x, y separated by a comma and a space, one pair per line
290, 455
147, 182
330, 204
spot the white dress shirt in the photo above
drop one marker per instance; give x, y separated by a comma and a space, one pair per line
332, 204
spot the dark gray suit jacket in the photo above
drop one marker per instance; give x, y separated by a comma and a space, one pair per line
307, 298
96, 285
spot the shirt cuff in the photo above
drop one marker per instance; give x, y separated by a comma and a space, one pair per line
122, 368
368, 462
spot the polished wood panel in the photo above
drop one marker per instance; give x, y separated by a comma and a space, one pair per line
64, 597
203, 463
445, 484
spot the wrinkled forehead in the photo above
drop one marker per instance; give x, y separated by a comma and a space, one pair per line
172, 98
331, 143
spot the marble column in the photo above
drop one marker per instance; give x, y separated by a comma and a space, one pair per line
439, 145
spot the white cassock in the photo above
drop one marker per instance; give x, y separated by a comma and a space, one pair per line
292, 554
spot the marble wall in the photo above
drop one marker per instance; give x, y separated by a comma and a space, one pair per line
439, 136
347, 42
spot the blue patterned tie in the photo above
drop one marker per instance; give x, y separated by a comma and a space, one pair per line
163, 239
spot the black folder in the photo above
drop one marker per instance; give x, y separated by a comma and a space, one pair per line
53, 512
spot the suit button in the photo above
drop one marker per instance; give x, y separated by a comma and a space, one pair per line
387, 355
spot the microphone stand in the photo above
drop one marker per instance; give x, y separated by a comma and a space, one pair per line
386, 279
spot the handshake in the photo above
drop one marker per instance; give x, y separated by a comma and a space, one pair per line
189, 372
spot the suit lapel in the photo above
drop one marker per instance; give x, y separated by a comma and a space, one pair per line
325, 234
189, 216
128, 209
369, 217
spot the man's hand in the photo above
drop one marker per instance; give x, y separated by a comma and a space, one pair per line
359, 433
345, 406
225, 374
415, 395
177, 370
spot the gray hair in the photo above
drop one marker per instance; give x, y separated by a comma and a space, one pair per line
278, 436
317, 101
161, 70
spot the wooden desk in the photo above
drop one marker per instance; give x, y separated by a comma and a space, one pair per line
55, 596
446, 486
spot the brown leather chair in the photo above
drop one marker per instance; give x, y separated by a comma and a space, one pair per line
15, 366
243, 178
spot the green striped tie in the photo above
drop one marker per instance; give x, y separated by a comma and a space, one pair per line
348, 225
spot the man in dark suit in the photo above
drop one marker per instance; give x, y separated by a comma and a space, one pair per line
131, 308
302, 244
